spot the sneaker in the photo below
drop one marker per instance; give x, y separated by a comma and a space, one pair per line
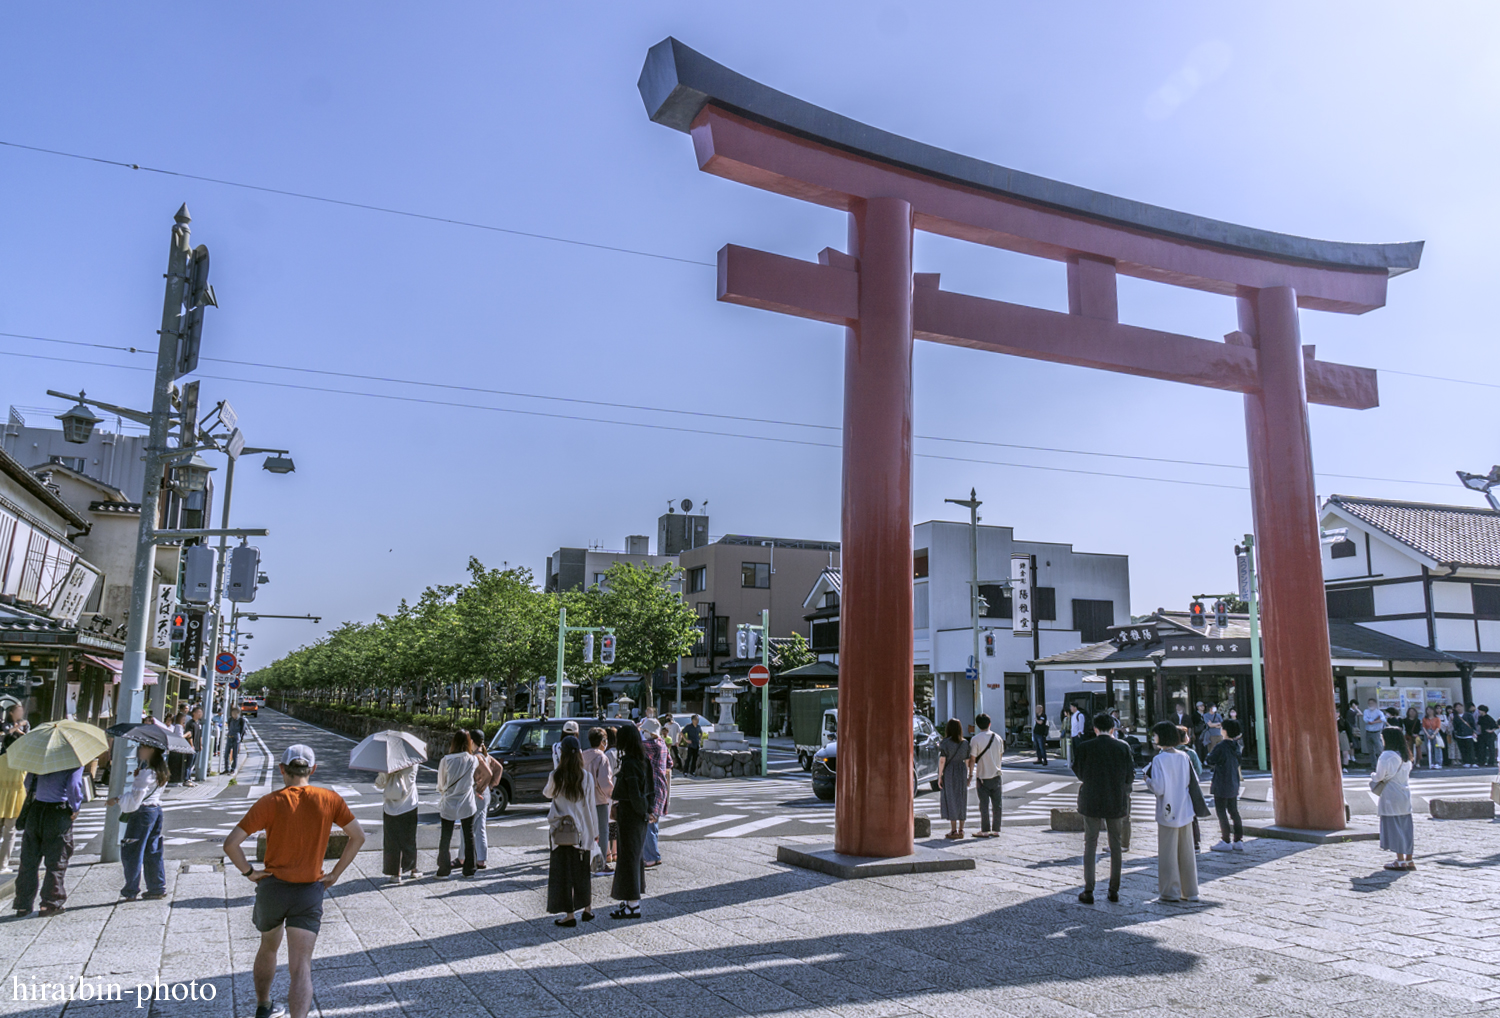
1239, 846
153, 895
393, 881
270, 1011
414, 875
1222, 846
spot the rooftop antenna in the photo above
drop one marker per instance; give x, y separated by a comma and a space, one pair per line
1483, 483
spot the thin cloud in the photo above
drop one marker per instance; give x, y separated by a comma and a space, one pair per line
1203, 65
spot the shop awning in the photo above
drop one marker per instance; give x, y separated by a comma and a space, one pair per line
113, 665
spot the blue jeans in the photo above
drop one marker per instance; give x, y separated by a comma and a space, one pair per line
142, 848
652, 852
231, 755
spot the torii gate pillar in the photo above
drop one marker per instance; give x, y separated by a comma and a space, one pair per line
890, 186
875, 626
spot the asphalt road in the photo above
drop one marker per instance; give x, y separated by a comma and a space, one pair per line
782, 803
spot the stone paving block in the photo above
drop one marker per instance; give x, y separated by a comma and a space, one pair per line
1461, 809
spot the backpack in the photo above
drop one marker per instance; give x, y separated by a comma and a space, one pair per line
563, 832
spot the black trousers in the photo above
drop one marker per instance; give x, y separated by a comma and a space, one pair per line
1465, 750
445, 845
399, 842
691, 763
630, 864
1229, 809
569, 881
1486, 749
48, 839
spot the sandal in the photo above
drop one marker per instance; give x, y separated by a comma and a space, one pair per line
565, 922
587, 917
624, 911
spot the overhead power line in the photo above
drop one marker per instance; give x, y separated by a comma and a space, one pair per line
727, 434
358, 205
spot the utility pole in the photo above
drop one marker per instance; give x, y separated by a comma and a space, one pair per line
1251, 586
972, 503
133, 672
765, 692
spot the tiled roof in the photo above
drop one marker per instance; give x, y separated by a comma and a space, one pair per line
115, 508
1448, 534
1354, 641
12, 468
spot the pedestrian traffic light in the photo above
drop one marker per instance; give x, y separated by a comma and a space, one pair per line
1195, 610
1221, 613
588, 648
752, 641
179, 627
244, 569
742, 643
989, 644
607, 649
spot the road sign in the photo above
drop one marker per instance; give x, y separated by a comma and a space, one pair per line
225, 663
759, 676
234, 683
971, 673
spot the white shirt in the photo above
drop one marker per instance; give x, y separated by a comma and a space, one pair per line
400, 791
1374, 719
1395, 797
1167, 777
144, 790
988, 765
1078, 722
455, 786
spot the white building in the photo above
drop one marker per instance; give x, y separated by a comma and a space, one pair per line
1426, 574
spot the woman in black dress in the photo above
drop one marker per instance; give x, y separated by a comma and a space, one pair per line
635, 800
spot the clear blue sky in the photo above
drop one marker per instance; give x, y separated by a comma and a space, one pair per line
1359, 123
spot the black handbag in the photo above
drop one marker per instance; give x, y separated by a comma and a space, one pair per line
25, 811
1200, 805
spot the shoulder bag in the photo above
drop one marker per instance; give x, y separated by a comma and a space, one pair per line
1195, 792
563, 832
986, 748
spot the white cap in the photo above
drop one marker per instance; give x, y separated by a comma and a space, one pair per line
571, 727
298, 753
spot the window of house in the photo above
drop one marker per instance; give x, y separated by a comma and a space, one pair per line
825, 636
721, 634
1344, 549
1045, 604
1092, 619
1351, 603
599, 579
755, 574
919, 564
1487, 600
697, 579
831, 599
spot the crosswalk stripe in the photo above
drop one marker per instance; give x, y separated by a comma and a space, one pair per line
1050, 786
750, 828
722, 818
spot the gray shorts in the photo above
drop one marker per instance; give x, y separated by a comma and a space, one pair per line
299, 906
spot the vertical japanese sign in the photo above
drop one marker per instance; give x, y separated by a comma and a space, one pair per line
1243, 562
1021, 616
75, 593
166, 601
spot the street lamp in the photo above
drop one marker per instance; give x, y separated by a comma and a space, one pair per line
1483, 483
193, 475
78, 423
278, 464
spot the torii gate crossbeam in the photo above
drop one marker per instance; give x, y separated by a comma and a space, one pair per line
891, 186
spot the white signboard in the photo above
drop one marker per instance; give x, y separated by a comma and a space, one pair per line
166, 604
1020, 596
75, 592
1242, 562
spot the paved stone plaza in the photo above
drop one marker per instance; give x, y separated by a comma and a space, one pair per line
1283, 930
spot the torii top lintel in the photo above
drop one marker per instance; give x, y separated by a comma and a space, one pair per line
756, 135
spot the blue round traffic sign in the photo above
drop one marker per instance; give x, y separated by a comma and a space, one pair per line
234, 683
225, 663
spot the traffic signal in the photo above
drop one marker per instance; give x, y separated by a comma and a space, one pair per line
742, 643
753, 642
179, 627
588, 648
198, 574
244, 569
1221, 613
1196, 612
607, 649
989, 644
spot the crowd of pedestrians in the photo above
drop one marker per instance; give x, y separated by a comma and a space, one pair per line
1437, 737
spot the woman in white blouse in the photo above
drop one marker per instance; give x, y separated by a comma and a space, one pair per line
1167, 777
140, 808
400, 809
571, 789
456, 804
1390, 782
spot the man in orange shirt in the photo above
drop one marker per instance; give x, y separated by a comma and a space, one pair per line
297, 820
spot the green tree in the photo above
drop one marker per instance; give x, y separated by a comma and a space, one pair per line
789, 654
507, 628
653, 625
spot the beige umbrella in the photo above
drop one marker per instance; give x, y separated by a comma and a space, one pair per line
57, 746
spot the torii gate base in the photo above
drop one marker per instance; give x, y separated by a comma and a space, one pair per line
889, 187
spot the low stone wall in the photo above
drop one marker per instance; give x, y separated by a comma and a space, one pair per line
359, 725
1461, 809
721, 764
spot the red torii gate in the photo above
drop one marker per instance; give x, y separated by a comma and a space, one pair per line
890, 186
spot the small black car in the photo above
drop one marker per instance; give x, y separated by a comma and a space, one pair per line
524, 749
925, 743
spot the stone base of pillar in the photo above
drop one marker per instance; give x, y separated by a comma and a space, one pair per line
823, 859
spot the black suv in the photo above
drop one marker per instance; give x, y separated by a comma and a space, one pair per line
524, 748
925, 741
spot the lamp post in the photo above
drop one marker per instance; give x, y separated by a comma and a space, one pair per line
234, 448
972, 503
